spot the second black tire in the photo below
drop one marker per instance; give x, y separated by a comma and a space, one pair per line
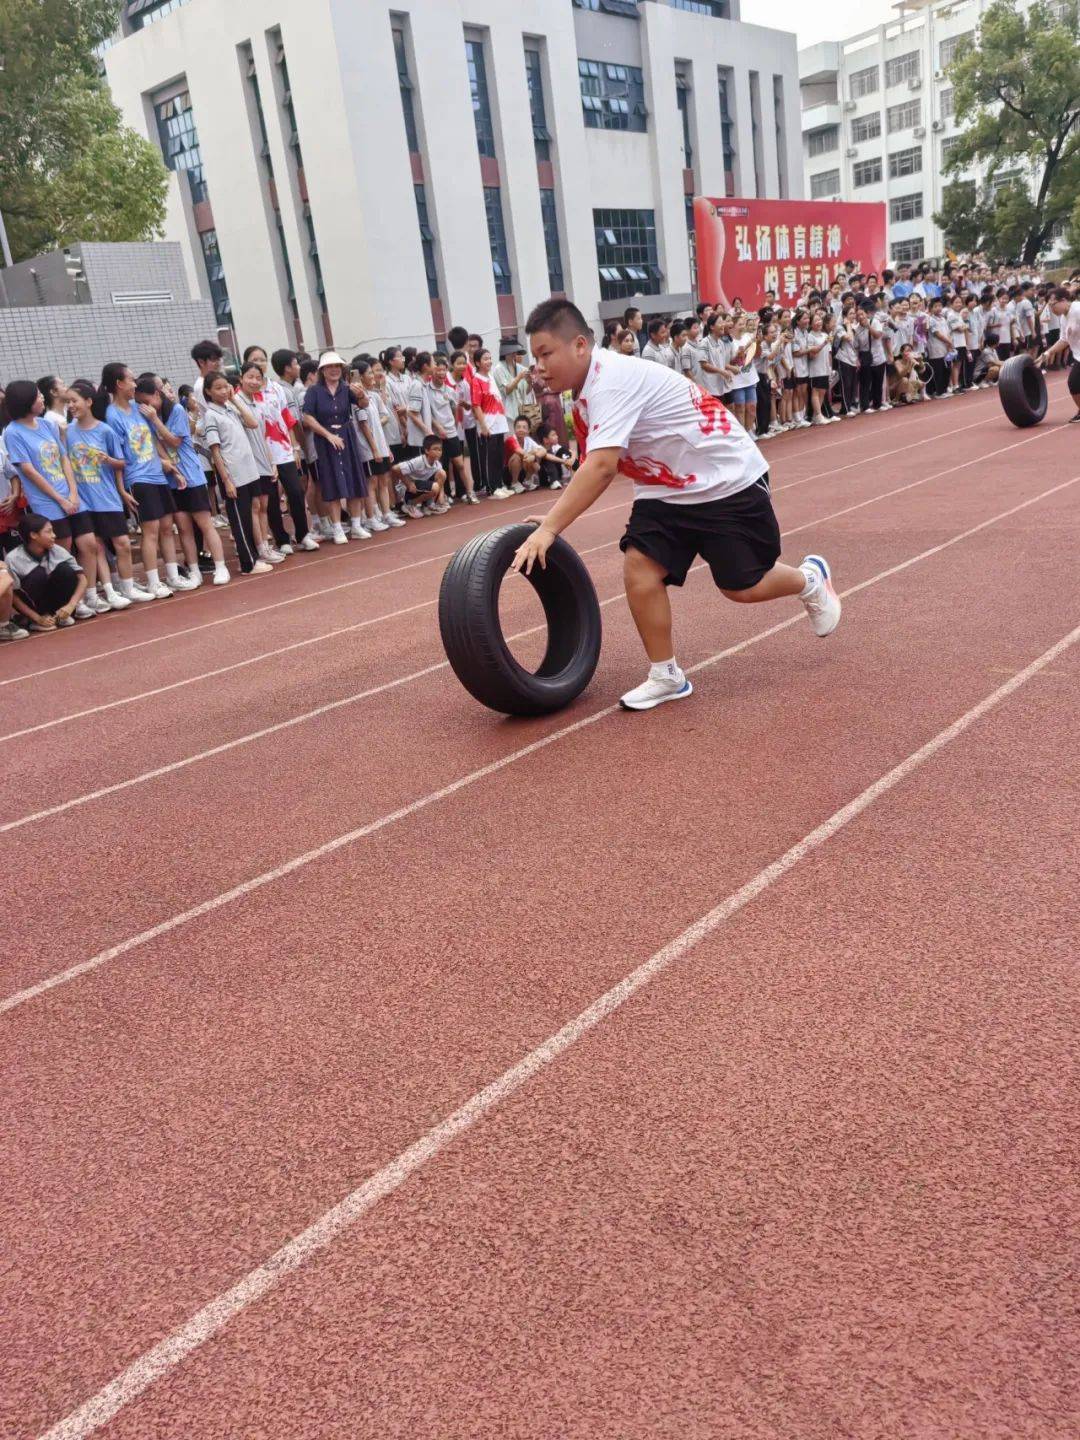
473, 638
1022, 388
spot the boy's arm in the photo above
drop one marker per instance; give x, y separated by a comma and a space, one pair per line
596, 473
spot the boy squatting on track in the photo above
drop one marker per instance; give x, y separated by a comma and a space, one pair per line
701, 487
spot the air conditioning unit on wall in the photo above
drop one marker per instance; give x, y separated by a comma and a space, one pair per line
849, 104
919, 131
938, 125
915, 83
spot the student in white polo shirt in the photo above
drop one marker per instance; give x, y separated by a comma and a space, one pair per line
701, 487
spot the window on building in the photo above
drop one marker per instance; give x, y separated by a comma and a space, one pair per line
427, 241
906, 207
500, 256
905, 162
721, 9
820, 142
866, 172
725, 80
864, 82
247, 60
1002, 181
780, 116
948, 146
901, 68
610, 7
825, 185
947, 104
550, 217
406, 88
903, 117
293, 136
481, 100
682, 99
141, 13
612, 96
534, 75
867, 127
215, 274
626, 253
180, 141
955, 45
906, 252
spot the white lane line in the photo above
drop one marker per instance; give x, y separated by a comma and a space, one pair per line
393, 615
353, 550
208, 1322
884, 455
298, 862
383, 545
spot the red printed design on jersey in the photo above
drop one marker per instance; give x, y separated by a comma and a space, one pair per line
714, 415
646, 471
581, 427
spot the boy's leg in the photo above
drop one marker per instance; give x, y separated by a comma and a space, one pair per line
781, 580
649, 602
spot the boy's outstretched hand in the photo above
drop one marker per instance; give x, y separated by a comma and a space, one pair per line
534, 548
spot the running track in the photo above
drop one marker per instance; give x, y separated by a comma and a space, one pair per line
373, 1066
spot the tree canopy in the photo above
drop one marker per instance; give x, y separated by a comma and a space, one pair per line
69, 169
1016, 92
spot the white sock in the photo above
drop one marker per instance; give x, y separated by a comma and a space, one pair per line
664, 670
221, 568
171, 572
152, 579
813, 580
127, 587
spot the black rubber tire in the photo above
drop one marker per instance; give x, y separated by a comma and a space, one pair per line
473, 638
1022, 388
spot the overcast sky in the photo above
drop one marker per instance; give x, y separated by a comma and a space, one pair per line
831, 20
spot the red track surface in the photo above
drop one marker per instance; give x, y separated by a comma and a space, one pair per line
816, 1179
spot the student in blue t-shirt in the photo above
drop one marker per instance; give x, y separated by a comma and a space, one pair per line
191, 493
38, 455
98, 466
144, 477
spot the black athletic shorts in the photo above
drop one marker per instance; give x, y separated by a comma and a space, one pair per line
819, 382
193, 500
110, 524
154, 501
738, 537
452, 448
789, 382
404, 452
380, 467
70, 527
1074, 377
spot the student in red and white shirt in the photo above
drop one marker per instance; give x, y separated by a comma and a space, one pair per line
492, 426
521, 457
701, 487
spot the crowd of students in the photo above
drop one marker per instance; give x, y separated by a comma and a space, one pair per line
287, 452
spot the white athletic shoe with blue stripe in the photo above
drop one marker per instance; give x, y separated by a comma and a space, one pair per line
657, 692
821, 600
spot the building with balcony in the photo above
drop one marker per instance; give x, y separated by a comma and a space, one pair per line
877, 118
358, 172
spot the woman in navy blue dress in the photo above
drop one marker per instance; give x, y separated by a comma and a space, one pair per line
341, 470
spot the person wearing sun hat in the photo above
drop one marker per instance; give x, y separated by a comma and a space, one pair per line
340, 466
512, 379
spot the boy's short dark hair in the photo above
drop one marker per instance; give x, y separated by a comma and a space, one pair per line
456, 336
655, 326
308, 367
521, 420
677, 327
282, 359
559, 317
430, 440
206, 350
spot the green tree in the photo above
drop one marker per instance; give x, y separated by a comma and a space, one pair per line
1016, 91
69, 169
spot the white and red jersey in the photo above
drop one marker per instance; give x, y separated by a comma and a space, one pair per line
278, 423
679, 443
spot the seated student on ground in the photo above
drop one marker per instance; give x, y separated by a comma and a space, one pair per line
421, 480
48, 580
556, 462
8, 628
523, 457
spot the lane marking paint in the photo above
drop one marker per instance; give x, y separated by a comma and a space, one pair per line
208, 1322
298, 862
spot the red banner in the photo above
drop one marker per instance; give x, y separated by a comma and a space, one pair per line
745, 247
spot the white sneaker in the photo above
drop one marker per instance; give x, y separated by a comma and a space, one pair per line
822, 602
271, 556
517, 487
504, 493
260, 568
183, 583
337, 534
357, 532
222, 576
83, 611
885, 405
160, 591
393, 522
116, 600
93, 601
803, 424
140, 594
555, 485
376, 524
819, 420
656, 692
10, 631
309, 543
286, 549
